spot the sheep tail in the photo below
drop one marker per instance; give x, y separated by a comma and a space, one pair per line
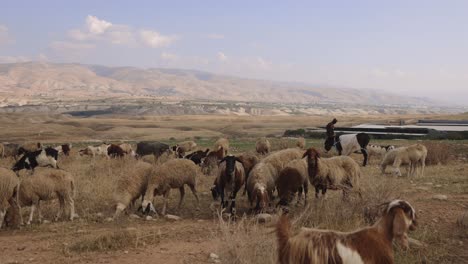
283, 232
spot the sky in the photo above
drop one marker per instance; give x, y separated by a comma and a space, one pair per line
415, 48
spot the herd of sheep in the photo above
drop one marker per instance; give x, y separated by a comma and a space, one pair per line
287, 172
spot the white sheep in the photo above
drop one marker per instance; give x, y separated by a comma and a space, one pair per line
9, 185
263, 176
263, 146
185, 146
132, 186
301, 143
173, 174
336, 173
44, 185
413, 156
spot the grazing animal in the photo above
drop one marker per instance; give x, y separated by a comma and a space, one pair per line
65, 149
301, 143
40, 158
248, 161
211, 160
263, 146
413, 156
336, 173
132, 186
292, 179
9, 187
378, 151
263, 176
115, 151
349, 143
368, 245
94, 151
222, 143
231, 178
29, 147
127, 148
197, 156
151, 148
44, 185
181, 148
173, 174
10, 150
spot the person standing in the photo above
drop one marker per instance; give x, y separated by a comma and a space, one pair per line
331, 128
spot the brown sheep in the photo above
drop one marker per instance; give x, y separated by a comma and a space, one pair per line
293, 178
263, 146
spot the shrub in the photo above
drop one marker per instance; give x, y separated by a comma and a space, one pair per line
437, 153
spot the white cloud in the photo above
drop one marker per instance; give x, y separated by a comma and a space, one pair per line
155, 39
97, 26
169, 56
13, 59
77, 34
5, 37
222, 56
215, 36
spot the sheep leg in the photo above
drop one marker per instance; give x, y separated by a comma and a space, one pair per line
396, 166
306, 190
2, 217
71, 203
317, 192
182, 194
39, 213
232, 197
194, 191
31, 214
165, 198
61, 209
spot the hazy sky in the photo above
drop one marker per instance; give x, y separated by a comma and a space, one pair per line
409, 47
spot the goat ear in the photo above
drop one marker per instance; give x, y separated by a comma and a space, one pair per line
223, 160
306, 154
238, 160
400, 227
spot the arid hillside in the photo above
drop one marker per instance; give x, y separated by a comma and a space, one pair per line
21, 82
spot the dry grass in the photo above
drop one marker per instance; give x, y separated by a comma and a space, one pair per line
437, 153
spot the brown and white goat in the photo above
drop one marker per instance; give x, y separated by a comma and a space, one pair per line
368, 245
231, 178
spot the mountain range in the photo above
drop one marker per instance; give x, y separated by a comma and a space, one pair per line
72, 80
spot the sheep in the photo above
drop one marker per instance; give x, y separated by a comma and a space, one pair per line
263, 176
93, 151
248, 161
379, 151
128, 149
29, 147
48, 184
231, 177
368, 245
413, 156
293, 178
197, 156
222, 143
263, 146
211, 160
171, 175
183, 147
9, 187
334, 173
10, 150
115, 151
131, 186
301, 143
42, 158
64, 148
2, 150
